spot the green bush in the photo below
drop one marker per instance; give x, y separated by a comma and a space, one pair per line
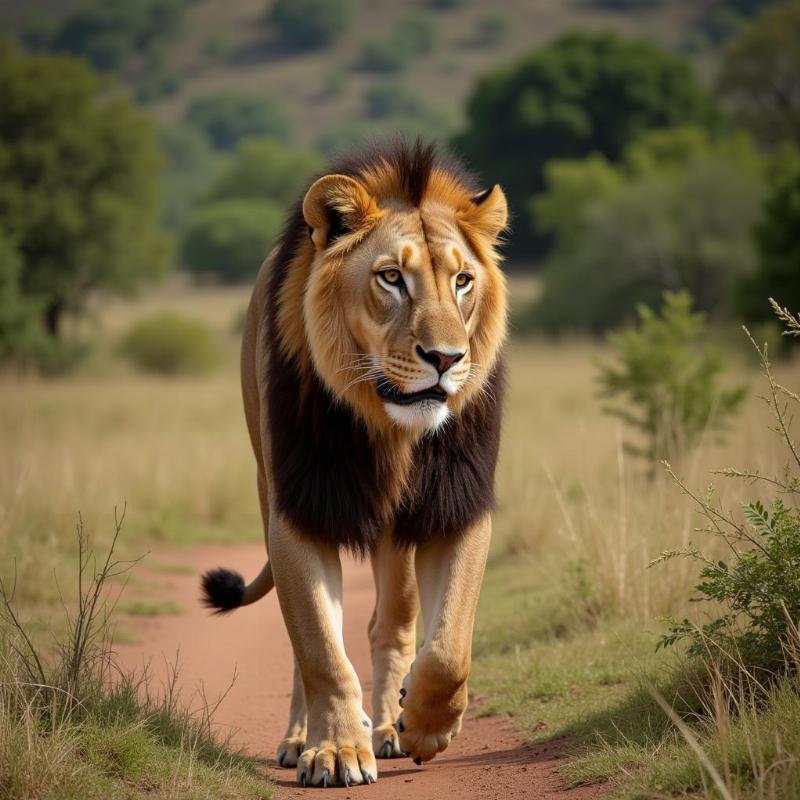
757, 587
778, 243
170, 344
310, 23
390, 99
21, 336
492, 30
677, 213
668, 380
227, 117
413, 36
228, 240
758, 75
191, 168
584, 93
263, 169
109, 34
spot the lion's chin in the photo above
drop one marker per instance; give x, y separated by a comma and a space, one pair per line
424, 415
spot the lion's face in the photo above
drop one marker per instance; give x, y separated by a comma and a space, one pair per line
407, 309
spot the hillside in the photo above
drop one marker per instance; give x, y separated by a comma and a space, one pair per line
233, 47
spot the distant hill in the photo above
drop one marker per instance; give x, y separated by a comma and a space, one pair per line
233, 46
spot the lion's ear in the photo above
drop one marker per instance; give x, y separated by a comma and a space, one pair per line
336, 204
486, 213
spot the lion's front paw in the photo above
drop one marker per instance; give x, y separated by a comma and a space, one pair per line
386, 743
432, 710
337, 764
289, 751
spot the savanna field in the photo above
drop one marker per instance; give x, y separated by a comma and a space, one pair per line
569, 615
637, 634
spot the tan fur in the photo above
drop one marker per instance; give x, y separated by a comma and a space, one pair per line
331, 311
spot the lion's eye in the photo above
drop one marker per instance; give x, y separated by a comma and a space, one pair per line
463, 280
391, 277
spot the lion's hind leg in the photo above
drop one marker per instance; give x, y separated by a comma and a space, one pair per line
392, 637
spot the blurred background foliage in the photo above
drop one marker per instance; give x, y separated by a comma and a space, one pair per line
645, 146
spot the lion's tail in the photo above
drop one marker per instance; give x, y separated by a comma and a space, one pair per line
224, 590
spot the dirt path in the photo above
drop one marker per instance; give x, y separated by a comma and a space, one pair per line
485, 761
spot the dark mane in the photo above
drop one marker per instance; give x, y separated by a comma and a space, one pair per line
329, 477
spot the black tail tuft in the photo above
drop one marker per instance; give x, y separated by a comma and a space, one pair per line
223, 590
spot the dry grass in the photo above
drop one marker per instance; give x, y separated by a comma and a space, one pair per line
569, 597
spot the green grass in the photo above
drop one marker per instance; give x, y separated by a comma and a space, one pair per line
560, 672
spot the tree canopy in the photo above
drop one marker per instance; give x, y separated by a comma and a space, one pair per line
584, 93
759, 75
677, 213
778, 243
227, 117
79, 183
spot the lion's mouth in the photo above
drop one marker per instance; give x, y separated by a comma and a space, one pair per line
392, 394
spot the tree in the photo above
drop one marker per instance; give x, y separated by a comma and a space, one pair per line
310, 23
20, 334
79, 183
191, 167
109, 32
677, 213
263, 169
584, 93
759, 76
229, 240
778, 273
226, 117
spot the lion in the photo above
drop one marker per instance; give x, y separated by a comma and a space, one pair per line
372, 376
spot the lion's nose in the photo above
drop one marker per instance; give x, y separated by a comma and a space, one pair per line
441, 361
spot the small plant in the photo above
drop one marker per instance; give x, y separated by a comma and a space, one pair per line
757, 586
669, 379
170, 344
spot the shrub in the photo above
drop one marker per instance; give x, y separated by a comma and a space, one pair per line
757, 587
389, 99
229, 239
414, 35
778, 272
170, 344
668, 379
191, 167
758, 77
110, 34
310, 23
266, 170
583, 93
676, 214
226, 118
492, 30
19, 331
